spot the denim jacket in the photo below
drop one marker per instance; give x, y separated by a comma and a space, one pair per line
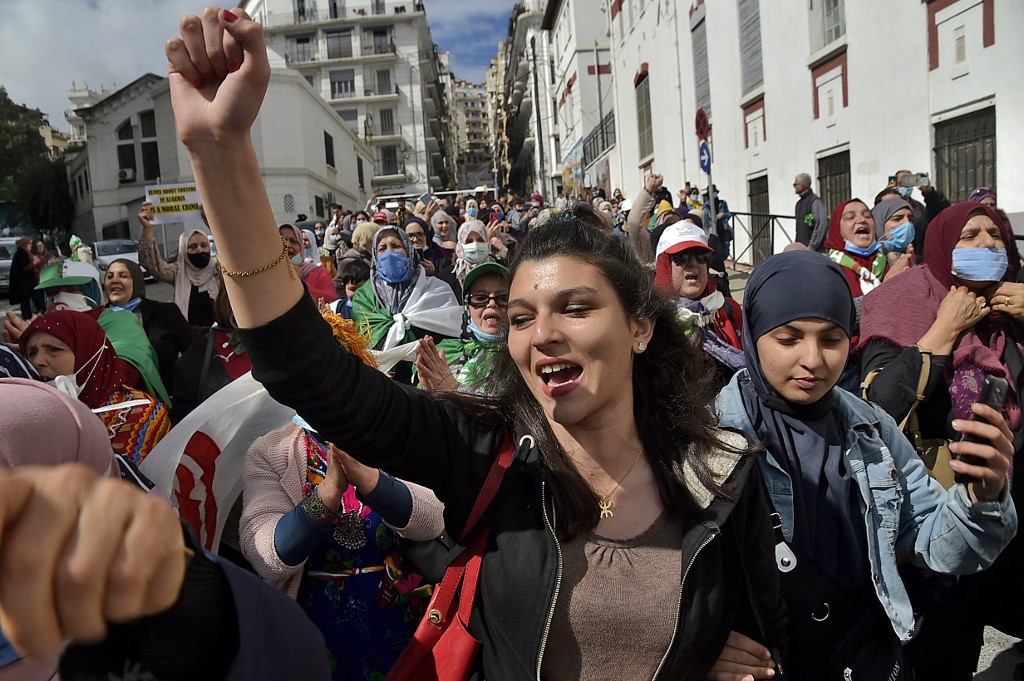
903, 507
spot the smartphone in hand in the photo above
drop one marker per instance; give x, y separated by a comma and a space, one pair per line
426, 198
993, 393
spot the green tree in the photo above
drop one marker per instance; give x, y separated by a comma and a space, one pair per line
21, 145
43, 194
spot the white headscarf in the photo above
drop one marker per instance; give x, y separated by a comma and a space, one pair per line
188, 274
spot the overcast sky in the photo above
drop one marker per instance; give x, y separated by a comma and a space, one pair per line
47, 44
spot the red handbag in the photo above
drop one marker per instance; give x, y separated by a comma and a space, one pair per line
442, 649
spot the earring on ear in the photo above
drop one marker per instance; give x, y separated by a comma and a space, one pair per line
641, 346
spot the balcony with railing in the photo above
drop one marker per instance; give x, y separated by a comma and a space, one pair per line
373, 47
599, 140
383, 134
337, 9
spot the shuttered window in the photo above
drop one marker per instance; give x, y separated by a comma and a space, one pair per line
643, 117
750, 44
702, 83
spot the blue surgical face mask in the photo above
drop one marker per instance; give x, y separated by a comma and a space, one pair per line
484, 337
471, 212
7, 652
979, 264
394, 267
900, 238
863, 252
905, 192
297, 259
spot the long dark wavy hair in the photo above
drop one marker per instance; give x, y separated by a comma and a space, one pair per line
673, 383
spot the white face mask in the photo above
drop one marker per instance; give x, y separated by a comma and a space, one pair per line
76, 302
69, 384
475, 253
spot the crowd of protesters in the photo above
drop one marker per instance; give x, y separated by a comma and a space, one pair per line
815, 483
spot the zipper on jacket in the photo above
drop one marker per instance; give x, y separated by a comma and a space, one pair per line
679, 604
558, 580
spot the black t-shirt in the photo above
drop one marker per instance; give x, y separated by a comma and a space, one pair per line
200, 308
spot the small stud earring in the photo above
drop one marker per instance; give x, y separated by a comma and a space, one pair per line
641, 346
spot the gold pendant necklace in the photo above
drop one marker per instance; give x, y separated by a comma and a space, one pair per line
604, 503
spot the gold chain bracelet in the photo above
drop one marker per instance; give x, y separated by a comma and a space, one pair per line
249, 273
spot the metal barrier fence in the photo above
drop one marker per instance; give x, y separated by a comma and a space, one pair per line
760, 230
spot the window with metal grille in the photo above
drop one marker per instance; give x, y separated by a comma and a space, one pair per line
643, 117
387, 121
389, 161
752, 73
383, 81
965, 153
834, 18
701, 80
761, 228
834, 179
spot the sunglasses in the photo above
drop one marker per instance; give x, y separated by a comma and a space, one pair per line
700, 255
481, 300
416, 235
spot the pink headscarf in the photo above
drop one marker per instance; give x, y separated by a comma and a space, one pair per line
71, 434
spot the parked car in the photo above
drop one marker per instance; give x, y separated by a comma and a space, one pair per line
106, 252
7, 248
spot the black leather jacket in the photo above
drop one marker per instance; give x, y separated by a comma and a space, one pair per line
728, 582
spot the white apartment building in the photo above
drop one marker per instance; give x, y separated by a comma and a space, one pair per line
307, 156
848, 92
529, 148
494, 87
473, 162
584, 110
374, 63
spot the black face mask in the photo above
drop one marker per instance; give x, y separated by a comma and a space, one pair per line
199, 260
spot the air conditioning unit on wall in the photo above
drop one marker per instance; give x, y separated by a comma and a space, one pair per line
126, 175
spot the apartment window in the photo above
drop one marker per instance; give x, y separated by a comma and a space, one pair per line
343, 83
643, 117
752, 74
351, 119
383, 81
126, 146
965, 153
339, 44
762, 234
378, 7
702, 83
834, 179
303, 50
961, 44
380, 41
319, 201
329, 149
359, 170
389, 161
86, 175
150, 151
387, 122
335, 10
834, 18
81, 191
